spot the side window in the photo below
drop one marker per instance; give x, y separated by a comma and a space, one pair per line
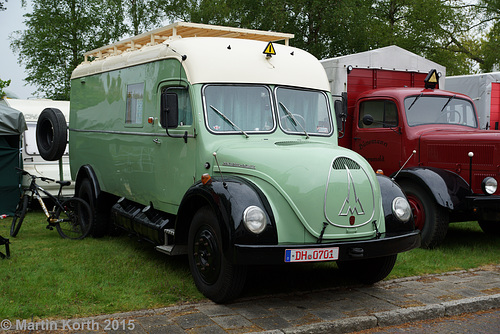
384, 113
135, 98
181, 95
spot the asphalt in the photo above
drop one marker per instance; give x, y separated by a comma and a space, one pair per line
332, 310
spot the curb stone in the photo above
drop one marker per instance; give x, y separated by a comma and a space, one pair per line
397, 317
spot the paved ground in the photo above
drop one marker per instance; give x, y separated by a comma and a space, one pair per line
336, 310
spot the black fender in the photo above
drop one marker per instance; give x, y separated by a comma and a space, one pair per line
389, 191
447, 188
228, 199
86, 171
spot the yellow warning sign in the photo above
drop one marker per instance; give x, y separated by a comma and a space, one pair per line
269, 49
432, 79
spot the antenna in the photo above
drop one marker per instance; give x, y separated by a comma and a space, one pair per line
220, 172
396, 175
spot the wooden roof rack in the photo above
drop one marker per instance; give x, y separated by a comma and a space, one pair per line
184, 29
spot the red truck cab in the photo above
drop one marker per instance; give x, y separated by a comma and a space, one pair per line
430, 142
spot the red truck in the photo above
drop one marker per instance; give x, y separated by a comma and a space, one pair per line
427, 139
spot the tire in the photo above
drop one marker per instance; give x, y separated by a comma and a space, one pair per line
21, 209
100, 216
430, 218
369, 271
213, 274
51, 134
76, 218
490, 227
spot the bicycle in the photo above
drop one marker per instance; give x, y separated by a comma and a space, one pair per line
70, 216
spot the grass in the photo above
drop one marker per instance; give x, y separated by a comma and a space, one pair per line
49, 277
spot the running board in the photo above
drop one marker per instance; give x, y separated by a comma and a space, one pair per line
169, 248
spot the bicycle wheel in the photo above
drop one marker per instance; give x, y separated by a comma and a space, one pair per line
21, 209
75, 220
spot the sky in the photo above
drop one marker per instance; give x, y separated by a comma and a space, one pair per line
11, 20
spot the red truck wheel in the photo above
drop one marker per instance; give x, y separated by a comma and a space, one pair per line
430, 218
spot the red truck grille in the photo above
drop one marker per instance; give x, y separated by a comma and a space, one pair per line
453, 154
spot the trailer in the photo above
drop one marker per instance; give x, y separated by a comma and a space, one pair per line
33, 162
484, 89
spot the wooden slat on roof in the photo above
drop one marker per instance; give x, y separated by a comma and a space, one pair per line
185, 29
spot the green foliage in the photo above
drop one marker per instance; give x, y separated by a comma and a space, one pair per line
3, 84
58, 33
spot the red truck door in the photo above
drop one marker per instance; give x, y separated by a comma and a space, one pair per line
380, 141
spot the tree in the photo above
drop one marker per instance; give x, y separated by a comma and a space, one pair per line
489, 11
3, 84
58, 33
2, 5
143, 14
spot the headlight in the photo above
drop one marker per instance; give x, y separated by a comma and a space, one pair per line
401, 209
489, 185
255, 219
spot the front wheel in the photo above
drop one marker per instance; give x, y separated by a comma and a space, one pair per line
74, 219
369, 271
213, 274
430, 218
17, 221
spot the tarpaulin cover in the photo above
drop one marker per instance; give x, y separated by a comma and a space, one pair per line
12, 125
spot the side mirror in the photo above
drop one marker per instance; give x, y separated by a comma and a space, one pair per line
339, 109
170, 110
368, 120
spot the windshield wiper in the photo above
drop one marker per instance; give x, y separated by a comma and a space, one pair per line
293, 120
451, 98
411, 105
224, 117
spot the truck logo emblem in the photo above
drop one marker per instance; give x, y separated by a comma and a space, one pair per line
351, 198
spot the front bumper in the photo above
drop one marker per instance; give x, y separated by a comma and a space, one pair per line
386, 244
484, 207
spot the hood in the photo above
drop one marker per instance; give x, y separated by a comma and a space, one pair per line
449, 148
321, 183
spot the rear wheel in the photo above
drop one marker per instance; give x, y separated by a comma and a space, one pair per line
369, 271
430, 218
21, 209
75, 219
213, 274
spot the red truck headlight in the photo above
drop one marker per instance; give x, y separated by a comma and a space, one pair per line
489, 185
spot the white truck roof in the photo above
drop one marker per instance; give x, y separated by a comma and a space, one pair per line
238, 58
391, 58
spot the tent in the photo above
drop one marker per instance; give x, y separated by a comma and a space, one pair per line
12, 125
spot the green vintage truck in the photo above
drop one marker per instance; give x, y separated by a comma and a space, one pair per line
220, 143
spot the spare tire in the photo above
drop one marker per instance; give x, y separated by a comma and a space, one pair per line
51, 134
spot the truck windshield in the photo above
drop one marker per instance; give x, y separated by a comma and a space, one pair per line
304, 112
238, 109
423, 109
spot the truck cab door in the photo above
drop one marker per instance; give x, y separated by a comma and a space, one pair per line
174, 145
377, 134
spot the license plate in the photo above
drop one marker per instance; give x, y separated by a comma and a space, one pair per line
311, 254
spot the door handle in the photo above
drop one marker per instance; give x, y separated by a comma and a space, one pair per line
156, 141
